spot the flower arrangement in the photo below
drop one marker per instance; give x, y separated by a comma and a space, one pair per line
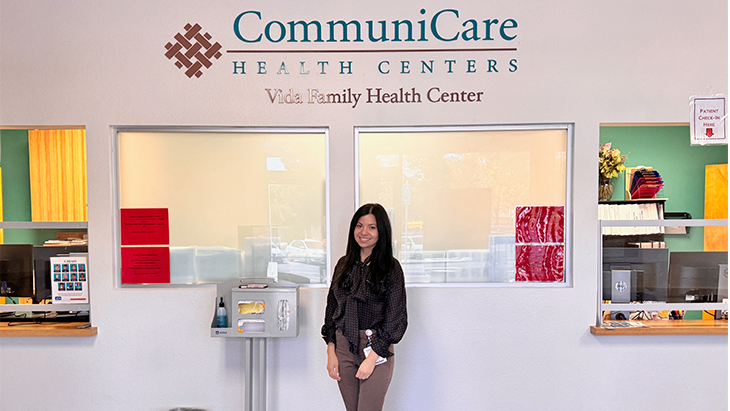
610, 162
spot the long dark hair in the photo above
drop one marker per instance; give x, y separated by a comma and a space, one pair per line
381, 259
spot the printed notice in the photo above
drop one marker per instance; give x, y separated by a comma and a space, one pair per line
708, 123
69, 280
145, 226
145, 265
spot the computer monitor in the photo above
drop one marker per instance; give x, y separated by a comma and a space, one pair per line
42, 262
648, 268
16, 270
694, 276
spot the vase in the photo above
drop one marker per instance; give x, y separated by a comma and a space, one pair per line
605, 189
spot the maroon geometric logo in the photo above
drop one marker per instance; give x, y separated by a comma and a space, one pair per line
193, 50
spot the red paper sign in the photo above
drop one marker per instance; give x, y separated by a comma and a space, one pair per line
145, 265
145, 226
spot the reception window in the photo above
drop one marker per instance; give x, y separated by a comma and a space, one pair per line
43, 215
208, 205
483, 205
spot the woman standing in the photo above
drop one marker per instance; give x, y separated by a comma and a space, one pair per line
366, 312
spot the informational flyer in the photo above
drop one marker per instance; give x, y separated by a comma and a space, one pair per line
145, 226
142, 265
69, 280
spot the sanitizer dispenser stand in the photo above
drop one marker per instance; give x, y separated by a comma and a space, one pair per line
258, 308
248, 356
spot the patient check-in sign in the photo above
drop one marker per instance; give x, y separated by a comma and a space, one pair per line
708, 120
145, 236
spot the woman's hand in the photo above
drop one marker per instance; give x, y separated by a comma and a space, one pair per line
333, 364
367, 366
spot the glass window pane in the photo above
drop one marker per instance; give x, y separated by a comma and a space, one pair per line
237, 202
457, 199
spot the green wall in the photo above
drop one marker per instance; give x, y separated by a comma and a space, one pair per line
16, 183
682, 167
16, 175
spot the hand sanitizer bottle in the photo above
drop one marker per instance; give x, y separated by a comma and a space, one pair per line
221, 319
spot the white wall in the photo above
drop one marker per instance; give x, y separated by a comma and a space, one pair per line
101, 63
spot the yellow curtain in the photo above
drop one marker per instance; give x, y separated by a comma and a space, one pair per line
2, 232
58, 175
716, 206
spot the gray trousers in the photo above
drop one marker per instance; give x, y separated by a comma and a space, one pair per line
362, 395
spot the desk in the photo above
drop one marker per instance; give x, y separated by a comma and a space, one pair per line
47, 329
668, 327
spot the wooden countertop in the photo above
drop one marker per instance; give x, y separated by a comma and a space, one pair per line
46, 329
668, 327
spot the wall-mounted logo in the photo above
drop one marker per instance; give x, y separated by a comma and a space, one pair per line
193, 50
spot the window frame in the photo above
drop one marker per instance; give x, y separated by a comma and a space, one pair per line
116, 229
568, 217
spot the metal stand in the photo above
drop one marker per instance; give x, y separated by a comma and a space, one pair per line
256, 324
248, 374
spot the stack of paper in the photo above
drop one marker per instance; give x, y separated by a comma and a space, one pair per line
66, 242
645, 184
637, 211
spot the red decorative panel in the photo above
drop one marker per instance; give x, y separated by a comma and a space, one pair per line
539, 224
539, 262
